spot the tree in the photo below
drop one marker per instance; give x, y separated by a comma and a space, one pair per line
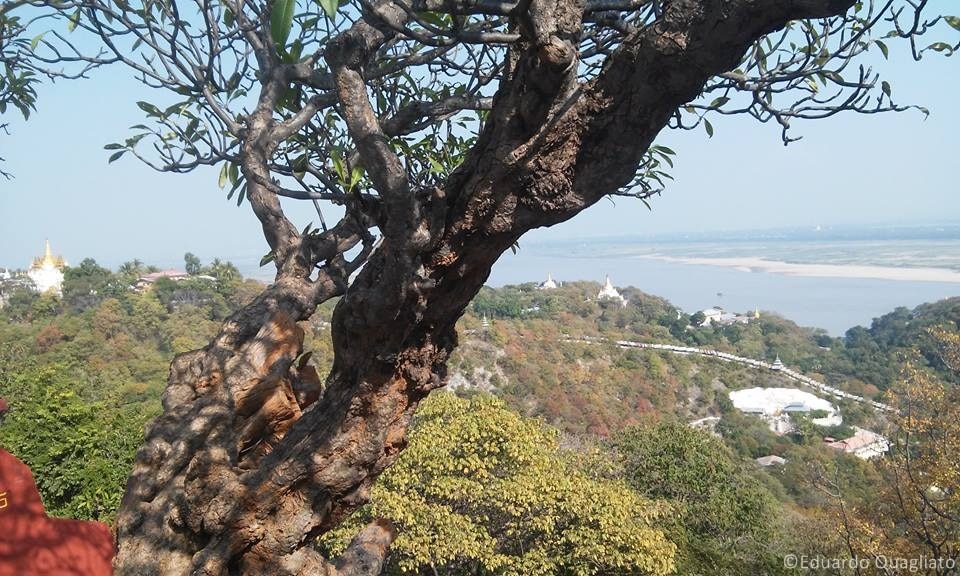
21, 70
449, 129
227, 276
79, 451
17, 78
698, 318
915, 510
84, 286
191, 263
481, 490
726, 518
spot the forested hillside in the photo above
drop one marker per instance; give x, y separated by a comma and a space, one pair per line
562, 450
529, 355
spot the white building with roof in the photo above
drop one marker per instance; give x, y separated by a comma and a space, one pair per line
864, 444
771, 460
776, 405
717, 316
711, 316
173, 274
46, 272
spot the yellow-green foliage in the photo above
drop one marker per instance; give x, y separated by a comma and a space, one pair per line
483, 490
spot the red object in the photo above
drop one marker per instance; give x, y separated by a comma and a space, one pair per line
3, 406
32, 543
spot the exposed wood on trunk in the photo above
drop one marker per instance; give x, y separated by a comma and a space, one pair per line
250, 460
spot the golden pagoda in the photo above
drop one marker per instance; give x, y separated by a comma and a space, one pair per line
48, 259
47, 271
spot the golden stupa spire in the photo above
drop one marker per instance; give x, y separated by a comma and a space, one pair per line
48, 259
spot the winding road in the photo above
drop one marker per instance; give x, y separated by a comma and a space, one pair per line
727, 357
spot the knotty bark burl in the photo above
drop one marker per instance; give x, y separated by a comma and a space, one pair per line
252, 457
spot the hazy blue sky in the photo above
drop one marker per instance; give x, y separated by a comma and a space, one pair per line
847, 170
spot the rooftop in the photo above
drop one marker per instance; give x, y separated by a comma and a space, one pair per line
770, 401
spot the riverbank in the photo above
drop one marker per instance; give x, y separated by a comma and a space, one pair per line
757, 264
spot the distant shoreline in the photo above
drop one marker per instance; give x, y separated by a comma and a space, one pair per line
757, 264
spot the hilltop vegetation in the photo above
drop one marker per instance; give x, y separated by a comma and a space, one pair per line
526, 355
582, 459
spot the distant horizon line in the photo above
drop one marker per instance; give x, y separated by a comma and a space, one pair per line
931, 230
891, 229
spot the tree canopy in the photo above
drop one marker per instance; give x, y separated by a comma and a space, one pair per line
481, 490
726, 518
430, 136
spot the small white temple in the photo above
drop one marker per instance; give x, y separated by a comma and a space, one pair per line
550, 284
777, 364
608, 292
47, 272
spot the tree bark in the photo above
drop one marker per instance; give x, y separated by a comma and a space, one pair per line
253, 457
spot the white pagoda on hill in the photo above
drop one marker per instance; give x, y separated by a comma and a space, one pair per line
608, 292
549, 284
46, 272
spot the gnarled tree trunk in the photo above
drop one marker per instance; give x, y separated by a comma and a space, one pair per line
253, 457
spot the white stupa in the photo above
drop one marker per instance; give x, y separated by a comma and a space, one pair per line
608, 292
47, 272
777, 364
548, 285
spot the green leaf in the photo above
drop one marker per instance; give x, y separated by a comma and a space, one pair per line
149, 108
113, 147
717, 102
222, 180
952, 21
831, 75
329, 7
885, 86
708, 127
235, 187
116, 156
36, 41
281, 21
135, 139
191, 130
267, 258
940, 47
438, 19
355, 176
666, 150
74, 20
338, 167
883, 49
